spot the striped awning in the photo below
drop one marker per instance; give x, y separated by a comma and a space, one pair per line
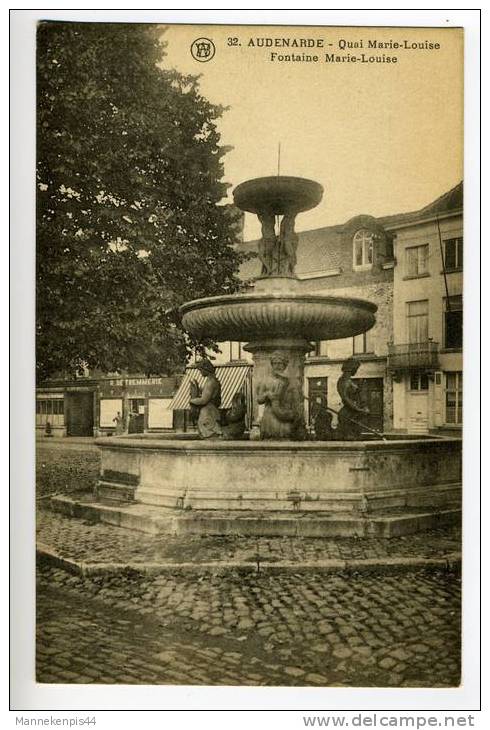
231, 377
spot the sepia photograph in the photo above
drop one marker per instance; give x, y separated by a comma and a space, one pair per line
249, 355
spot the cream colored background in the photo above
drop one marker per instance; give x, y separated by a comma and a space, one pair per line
380, 138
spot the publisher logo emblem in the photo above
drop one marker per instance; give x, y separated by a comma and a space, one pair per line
203, 49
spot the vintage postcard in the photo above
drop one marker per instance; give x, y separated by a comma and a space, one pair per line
249, 322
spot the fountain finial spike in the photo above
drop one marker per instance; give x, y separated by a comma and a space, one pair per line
278, 159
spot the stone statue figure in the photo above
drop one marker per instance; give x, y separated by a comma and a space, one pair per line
350, 415
283, 412
289, 243
208, 400
234, 420
268, 243
277, 252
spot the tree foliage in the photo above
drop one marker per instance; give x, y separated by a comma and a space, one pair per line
129, 170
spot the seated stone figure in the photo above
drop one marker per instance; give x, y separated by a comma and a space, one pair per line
282, 417
208, 401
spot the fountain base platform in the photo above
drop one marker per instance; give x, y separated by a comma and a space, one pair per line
165, 521
363, 488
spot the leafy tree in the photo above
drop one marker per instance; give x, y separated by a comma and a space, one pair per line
129, 171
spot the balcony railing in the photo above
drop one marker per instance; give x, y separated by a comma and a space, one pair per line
413, 356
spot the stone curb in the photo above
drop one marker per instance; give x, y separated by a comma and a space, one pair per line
449, 562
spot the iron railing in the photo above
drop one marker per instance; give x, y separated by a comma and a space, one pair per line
413, 356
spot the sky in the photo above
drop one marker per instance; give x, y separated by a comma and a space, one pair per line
380, 138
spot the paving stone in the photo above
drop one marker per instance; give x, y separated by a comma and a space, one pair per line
294, 671
419, 648
400, 668
401, 654
313, 678
342, 652
165, 656
217, 631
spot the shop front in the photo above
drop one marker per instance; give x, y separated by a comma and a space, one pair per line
135, 404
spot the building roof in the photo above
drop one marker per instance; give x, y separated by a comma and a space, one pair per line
320, 249
449, 201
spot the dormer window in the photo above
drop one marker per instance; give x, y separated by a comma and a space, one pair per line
363, 249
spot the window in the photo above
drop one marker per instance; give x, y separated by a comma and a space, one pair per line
321, 348
453, 323
417, 260
363, 249
419, 381
235, 351
418, 321
50, 409
453, 253
109, 408
454, 398
362, 344
138, 405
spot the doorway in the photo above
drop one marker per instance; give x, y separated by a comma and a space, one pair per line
136, 421
79, 414
418, 403
317, 395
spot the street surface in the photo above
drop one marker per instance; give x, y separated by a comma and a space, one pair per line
377, 628
230, 629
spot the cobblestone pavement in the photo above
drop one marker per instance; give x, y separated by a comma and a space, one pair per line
254, 629
100, 543
65, 467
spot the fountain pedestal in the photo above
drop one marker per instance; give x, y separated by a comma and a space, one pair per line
293, 349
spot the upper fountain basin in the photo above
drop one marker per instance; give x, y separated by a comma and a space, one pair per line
243, 317
278, 195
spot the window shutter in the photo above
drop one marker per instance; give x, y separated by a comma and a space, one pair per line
438, 398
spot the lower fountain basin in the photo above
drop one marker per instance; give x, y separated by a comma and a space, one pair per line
244, 317
344, 482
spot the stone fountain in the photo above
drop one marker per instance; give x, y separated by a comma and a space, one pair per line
276, 483
277, 318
